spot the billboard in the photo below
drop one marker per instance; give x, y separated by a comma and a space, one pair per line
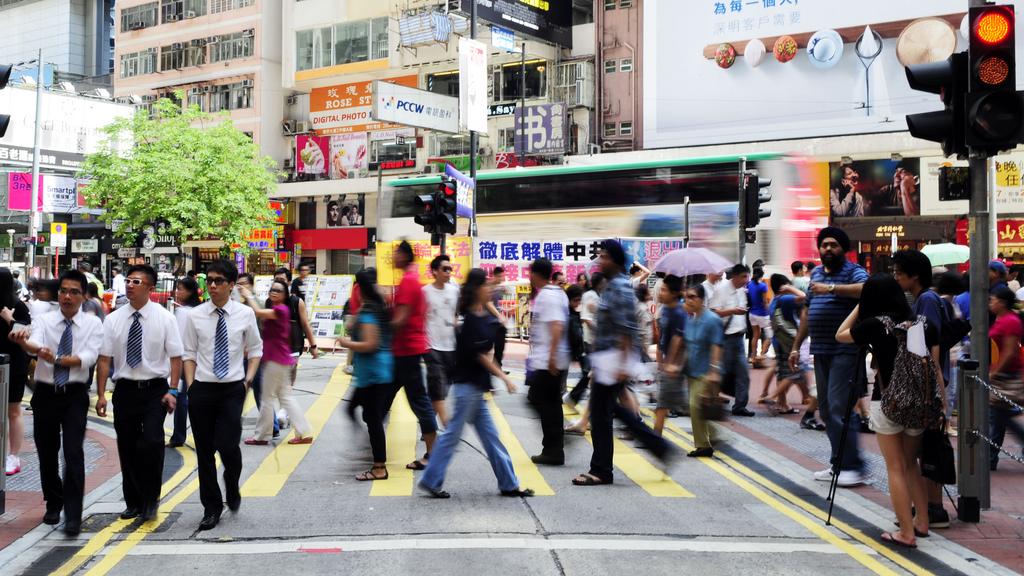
57, 194
344, 108
540, 129
472, 85
774, 100
348, 155
311, 154
548, 20
414, 107
875, 188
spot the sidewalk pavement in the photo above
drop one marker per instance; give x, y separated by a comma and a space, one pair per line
999, 534
24, 498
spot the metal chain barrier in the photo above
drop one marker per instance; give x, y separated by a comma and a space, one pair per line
989, 441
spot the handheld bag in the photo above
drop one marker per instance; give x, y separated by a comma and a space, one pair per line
938, 461
911, 398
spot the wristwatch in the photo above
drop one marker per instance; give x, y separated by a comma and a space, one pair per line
56, 360
831, 288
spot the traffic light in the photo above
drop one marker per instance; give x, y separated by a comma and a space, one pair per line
5, 75
447, 200
948, 79
758, 197
427, 208
995, 110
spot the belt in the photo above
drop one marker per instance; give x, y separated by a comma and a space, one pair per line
141, 383
733, 335
61, 389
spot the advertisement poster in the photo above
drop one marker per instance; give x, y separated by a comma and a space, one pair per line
325, 297
523, 309
571, 257
348, 155
57, 194
540, 129
311, 154
472, 85
345, 108
875, 188
349, 211
333, 291
459, 248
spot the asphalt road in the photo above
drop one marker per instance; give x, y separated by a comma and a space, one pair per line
748, 511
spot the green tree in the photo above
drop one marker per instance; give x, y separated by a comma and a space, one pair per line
193, 171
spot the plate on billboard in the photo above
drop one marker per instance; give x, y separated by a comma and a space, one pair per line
415, 107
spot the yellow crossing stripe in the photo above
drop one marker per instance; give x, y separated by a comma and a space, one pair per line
526, 470
730, 472
403, 437
640, 471
275, 469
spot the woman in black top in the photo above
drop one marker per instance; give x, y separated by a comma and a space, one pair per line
900, 446
13, 311
470, 380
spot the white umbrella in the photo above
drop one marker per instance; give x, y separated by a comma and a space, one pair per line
689, 261
943, 254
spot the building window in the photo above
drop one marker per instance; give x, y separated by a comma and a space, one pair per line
175, 10
235, 96
508, 80
610, 129
139, 17
138, 63
195, 53
197, 98
610, 66
344, 43
307, 215
609, 4
507, 140
625, 3
625, 65
232, 46
444, 83
172, 57
388, 150
217, 6
625, 128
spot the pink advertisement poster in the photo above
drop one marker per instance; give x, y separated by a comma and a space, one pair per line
19, 186
311, 154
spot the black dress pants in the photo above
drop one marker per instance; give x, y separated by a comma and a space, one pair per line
60, 414
139, 416
545, 396
215, 409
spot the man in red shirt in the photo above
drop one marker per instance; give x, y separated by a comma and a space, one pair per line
409, 345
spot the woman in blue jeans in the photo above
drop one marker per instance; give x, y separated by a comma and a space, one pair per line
471, 379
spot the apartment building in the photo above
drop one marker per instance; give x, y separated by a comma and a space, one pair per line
222, 54
76, 36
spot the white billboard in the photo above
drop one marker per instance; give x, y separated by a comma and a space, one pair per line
472, 85
414, 107
688, 99
70, 124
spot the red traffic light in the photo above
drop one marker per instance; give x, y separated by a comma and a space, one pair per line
993, 70
993, 27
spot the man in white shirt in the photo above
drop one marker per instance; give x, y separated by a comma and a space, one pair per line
548, 360
730, 303
66, 343
118, 284
142, 342
442, 309
711, 284
219, 336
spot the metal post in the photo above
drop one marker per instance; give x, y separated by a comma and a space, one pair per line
686, 221
5, 374
472, 133
33, 226
742, 211
522, 105
972, 453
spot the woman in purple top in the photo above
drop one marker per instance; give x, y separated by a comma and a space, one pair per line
277, 363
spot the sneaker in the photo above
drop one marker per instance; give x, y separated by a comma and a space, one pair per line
823, 475
937, 517
13, 465
348, 369
849, 478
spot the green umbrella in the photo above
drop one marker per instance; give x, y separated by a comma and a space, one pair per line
944, 254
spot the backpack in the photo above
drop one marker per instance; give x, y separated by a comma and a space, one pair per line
296, 337
954, 327
911, 398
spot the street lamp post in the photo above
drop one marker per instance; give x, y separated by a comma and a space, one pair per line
10, 236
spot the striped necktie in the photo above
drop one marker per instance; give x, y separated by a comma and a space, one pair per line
135, 341
220, 346
62, 373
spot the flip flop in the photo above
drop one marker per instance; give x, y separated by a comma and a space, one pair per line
589, 480
415, 465
891, 538
574, 432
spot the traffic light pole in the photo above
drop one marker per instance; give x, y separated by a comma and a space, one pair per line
973, 485
33, 226
472, 138
742, 212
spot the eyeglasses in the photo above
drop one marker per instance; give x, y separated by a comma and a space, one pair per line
217, 280
66, 292
446, 269
134, 281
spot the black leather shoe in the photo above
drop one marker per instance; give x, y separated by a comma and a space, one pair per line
235, 503
742, 412
547, 460
701, 453
130, 512
51, 517
149, 511
209, 521
73, 528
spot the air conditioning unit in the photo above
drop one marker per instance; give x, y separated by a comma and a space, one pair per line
190, 14
171, 18
212, 39
574, 84
301, 127
247, 83
206, 88
288, 127
249, 33
293, 100
136, 26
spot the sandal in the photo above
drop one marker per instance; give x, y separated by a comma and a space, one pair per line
890, 538
416, 465
589, 480
301, 440
369, 476
786, 412
574, 431
518, 493
435, 493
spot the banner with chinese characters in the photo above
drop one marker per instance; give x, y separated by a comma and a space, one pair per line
572, 257
1009, 187
1009, 235
459, 249
540, 129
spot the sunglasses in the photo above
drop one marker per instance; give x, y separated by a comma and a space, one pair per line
134, 281
276, 291
446, 268
217, 280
